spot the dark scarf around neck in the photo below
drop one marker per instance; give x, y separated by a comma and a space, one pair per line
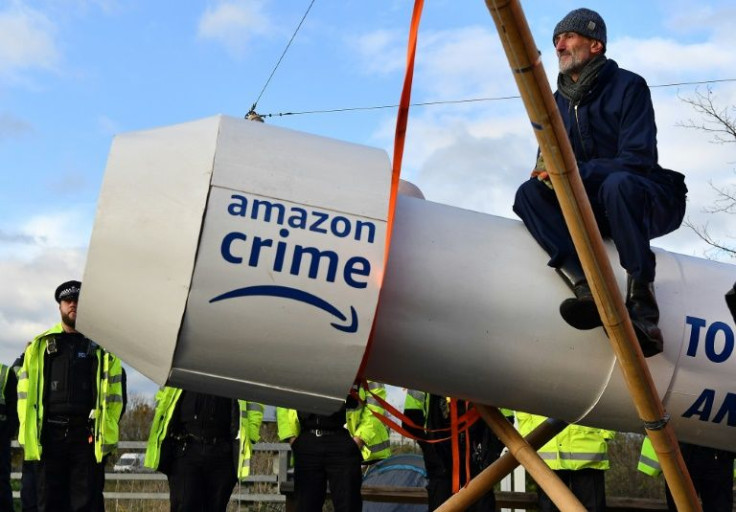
575, 91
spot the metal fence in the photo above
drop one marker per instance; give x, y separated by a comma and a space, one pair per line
267, 474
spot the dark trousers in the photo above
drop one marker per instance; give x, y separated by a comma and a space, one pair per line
6, 492
68, 475
333, 458
712, 473
28, 492
202, 476
438, 463
588, 486
629, 208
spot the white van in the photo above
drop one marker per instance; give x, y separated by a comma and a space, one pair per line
130, 463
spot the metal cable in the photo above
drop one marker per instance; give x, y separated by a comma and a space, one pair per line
253, 108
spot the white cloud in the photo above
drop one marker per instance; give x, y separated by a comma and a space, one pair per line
380, 52
12, 127
26, 41
233, 24
30, 308
475, 156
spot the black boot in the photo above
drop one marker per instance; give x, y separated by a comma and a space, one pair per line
731, 301
642, 306
580, 312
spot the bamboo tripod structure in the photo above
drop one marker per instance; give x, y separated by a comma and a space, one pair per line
525, 62
522, 450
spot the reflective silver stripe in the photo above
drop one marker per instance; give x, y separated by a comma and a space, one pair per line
648, 461
374, 385
3, 377
116, 378
23, 375
419, 395
593, 457
254, 406
22, 395
114, 398
379, 447
372, 401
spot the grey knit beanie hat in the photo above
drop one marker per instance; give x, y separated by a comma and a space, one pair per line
584, 22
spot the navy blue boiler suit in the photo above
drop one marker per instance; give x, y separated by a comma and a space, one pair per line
614, 137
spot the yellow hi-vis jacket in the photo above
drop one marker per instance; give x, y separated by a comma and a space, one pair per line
108, 406
649, 462
360, 422
249, 429
576, 447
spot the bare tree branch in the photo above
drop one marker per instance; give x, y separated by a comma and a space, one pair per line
720, 122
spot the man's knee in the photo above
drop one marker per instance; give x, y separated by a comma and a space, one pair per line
528, 194
623, 187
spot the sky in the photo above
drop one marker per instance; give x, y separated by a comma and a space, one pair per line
74, 73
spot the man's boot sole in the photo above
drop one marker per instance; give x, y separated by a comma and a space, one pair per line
580, 314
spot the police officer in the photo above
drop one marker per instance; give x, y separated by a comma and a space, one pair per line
70, 399
711, 471
8, 425
331, 448
28, 499
433, 413
203, 444
579, 456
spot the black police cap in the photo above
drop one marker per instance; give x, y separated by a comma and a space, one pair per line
67, 291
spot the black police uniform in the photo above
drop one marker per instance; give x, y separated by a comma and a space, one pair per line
712, 473
325, 452
68, 475
202, 472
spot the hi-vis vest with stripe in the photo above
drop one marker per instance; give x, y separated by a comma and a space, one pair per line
251, 417
576, 447
649, 462
108, 404
360, 422
4, 372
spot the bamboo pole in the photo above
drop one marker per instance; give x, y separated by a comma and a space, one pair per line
504, 465
528, 457
526, 64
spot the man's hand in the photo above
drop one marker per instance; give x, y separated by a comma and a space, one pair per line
540, 171
542, 176
358, 441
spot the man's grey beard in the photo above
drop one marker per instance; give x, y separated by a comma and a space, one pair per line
575, 67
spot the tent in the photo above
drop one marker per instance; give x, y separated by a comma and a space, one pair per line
404, 470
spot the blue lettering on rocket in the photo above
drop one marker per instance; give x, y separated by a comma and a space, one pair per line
277, 254
718, 339
703, 408
297, 260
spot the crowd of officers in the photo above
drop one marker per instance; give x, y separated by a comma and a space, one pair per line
70, 393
